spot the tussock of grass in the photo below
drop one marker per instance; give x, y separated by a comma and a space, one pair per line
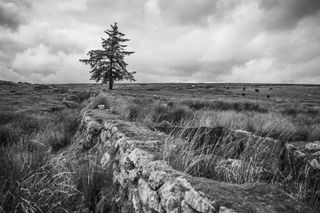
93, 178
30, 184
101, 99
199, 154
202, 155
30, 181
149, 112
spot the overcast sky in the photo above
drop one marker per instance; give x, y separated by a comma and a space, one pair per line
276, 41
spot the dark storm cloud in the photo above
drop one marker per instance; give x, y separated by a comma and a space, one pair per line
9, 16
286, 14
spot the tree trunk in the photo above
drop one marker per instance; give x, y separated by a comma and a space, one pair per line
110, 84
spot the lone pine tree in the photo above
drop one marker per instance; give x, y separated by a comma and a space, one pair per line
108, 65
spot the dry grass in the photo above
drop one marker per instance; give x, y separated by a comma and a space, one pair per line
245, 116
205, 154
101, 99
221, 160
29, 182
218, 157
150, 112
225, 105
32, 179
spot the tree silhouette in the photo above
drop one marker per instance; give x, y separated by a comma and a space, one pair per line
108, 65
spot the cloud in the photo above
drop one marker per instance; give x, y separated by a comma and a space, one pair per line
282, 15
182, 41
9, 15
41, 64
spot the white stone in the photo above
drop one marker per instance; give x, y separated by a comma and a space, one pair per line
101, 106
315, 146
105, 159
114, 129
298, 154
315, 164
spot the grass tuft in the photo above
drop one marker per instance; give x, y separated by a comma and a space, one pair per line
101, 99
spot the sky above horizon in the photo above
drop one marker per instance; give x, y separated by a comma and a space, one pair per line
261, 41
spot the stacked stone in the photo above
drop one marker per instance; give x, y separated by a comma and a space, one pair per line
144, 183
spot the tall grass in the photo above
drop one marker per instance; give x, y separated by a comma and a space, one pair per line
150, 112
247, 116
30, 184
263, 124
34, 180
219, 157
101, 99
224, 157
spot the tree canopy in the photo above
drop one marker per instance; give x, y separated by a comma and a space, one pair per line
108, 65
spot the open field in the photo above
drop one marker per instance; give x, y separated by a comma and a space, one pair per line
287, 111
40, 122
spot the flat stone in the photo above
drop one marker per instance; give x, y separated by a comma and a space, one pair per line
313, 147
140, 157
315, 164
105, 159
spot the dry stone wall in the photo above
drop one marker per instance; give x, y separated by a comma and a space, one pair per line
143, 182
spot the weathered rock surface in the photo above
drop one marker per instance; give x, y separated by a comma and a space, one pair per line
143, 182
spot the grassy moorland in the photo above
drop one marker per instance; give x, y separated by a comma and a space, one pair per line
37, 122
289, 113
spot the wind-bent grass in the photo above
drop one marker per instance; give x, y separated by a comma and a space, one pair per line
221, 160
150, 112
224, 157
101, 99
246, 116
29, 182
34, 177
202, 153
